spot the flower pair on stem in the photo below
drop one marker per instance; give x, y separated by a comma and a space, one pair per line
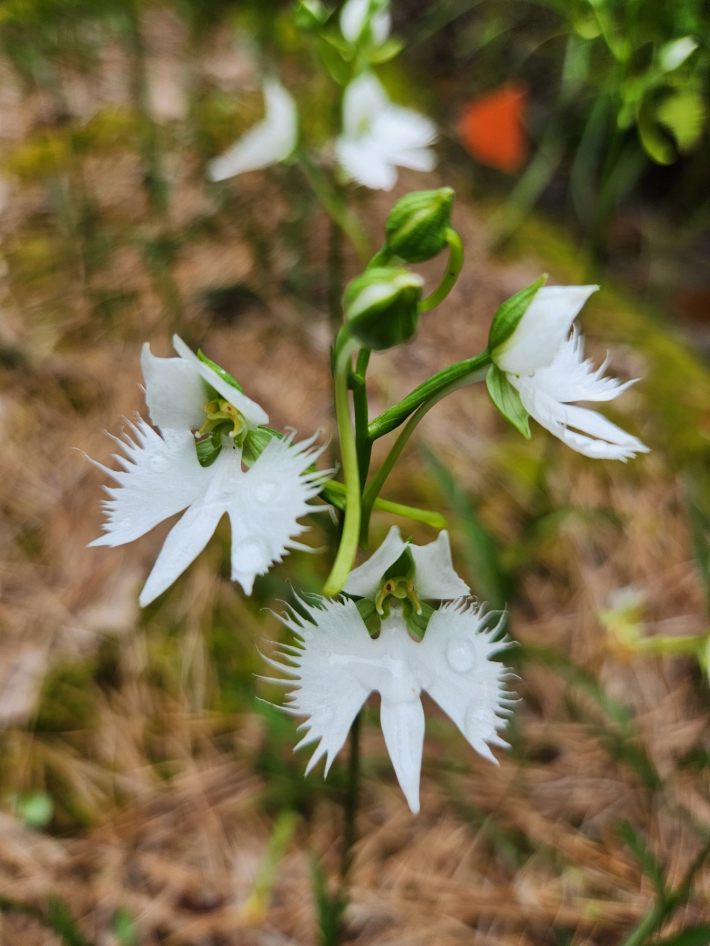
374, 628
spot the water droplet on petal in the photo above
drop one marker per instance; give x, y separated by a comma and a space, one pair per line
251, 556
160, 463
265, 491
461, 654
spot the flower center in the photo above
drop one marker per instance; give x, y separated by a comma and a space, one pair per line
223, 418
400, 588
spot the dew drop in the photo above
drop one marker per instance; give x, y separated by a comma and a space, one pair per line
250, 556
461, 654
160, 463
265, 491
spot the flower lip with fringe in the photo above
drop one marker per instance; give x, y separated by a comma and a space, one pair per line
543, 360
161, 475
270, 141
378, 136
334, 665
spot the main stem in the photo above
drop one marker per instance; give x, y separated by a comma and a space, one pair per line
345, 348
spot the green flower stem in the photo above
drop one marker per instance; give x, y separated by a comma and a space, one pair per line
345, 347
373, 489
685, 645
362, 441
334, 492
381, 258
335, 207
453, 271
460, 374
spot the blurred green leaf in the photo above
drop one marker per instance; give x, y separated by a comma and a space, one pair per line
683, 113
690, 936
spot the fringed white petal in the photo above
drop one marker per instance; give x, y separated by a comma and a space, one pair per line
585, 431
174, 392
254, 414
354, 17
340, 665
434, 575
379, 136
269, 142
265, 508
543, 328
160, 477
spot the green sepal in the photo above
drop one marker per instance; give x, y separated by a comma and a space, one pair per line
209, 449
309, 15
369, 615
224, 375
507, 400
255, 442
402, 568
418, 623
382, 307
508, 316
417, 224
388, 50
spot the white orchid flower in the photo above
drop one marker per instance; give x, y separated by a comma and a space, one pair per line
269, 142
378, 136
161, 474
335, 665
433, 572
543, 359
356, 15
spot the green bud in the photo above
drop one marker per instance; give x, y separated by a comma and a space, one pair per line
310, 14
417, 224
381, 307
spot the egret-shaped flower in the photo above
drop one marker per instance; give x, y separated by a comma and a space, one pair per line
335, 665
357, 15
378, 136
541, 356
164, 473
269, 142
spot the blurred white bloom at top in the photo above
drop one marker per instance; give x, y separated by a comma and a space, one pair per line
378, 136
431, 574
270, 141
336, 665
162, 475
675, 53
543, 359
356, 15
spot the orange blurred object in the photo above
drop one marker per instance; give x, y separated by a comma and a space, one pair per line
491, 128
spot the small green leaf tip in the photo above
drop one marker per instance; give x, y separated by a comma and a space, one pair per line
222, 372
381, 307
507, 400
417, 224
508, 316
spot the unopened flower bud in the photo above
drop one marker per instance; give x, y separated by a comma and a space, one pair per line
310, 14
417, 224
381, 307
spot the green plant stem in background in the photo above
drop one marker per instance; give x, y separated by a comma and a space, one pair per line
351, 798
464, 372
362, 441
378, 481
345, 347
453, 270
428, 516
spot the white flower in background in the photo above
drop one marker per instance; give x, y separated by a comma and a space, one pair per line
356, 15
161, 475
432, 576
270, 141
378, 136
336, 665
543, 359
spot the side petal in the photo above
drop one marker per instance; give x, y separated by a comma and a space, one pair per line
255, 415
403, 729
542, 329
366, 579
174, 392
326, 690
264, 510
592, 434
404, 135
269, 142
159, 478
362, 161
434, 576
470, 687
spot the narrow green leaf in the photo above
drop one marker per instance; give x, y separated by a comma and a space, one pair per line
647, 862
691, 936
507, 400
506, 319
